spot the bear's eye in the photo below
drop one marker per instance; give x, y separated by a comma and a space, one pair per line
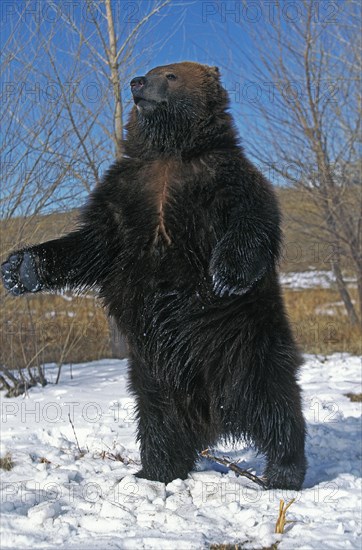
171, 76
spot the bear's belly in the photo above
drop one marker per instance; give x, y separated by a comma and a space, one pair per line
184, 329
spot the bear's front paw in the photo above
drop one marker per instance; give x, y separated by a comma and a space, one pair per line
223, 287
228, 279
19, 273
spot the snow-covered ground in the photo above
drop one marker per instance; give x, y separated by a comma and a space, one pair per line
299, 280
296, 280
56, 497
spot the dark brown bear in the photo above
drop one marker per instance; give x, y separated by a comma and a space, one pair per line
182, 238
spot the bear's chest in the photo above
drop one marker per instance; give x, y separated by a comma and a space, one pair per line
161, 191
165, 205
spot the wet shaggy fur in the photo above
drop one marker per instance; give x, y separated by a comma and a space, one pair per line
182, 240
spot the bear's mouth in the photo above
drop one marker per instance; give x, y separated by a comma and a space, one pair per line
138, 99
144, 105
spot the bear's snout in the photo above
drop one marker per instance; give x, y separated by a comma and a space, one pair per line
137, 84
148, 91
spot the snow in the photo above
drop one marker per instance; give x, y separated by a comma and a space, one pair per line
59, 495
298, 280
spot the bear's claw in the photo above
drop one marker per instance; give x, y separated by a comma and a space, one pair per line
221, 288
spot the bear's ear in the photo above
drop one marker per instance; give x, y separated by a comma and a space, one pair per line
214, 71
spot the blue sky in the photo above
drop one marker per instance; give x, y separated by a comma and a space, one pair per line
213, 32
203, 31
185, 30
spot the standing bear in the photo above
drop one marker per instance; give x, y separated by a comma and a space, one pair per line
182, 240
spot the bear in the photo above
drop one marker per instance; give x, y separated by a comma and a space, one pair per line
182, 241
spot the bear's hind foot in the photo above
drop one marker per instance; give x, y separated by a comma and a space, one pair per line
285, 476
163, 477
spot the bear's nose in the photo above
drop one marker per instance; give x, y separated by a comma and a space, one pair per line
137, 83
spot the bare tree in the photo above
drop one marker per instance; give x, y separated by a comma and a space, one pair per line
114, 56
64, 70
306, 121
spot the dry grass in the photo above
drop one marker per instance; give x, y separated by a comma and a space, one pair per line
43, 460
355, 397
43, 328
282, 517
307, 245
227, 546
279, 529
6, 462
319, 325
49, 328
115, 457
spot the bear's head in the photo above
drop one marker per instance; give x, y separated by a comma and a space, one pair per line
191, 87
178, 108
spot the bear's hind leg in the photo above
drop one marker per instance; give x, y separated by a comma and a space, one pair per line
278, 430
169, 441
167, 450
270, 412
284, 446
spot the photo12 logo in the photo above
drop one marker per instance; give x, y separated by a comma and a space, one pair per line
249, 91
55, 412
269, 11
51, 92
73, 11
